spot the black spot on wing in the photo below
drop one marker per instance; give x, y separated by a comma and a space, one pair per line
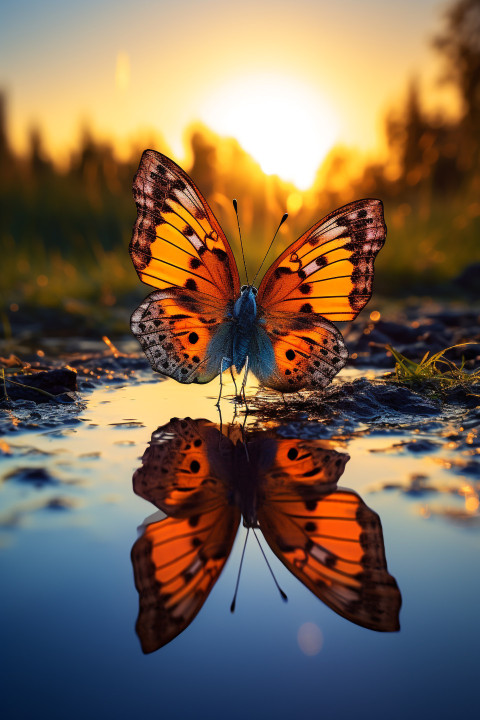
220, 254
282, 271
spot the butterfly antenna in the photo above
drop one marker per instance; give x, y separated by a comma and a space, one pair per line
232, 606
240, 234
276, 232
283, 595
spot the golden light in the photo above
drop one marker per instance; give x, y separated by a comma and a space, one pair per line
122, 71
286, 125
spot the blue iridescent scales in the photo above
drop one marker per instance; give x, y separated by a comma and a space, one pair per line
200, 321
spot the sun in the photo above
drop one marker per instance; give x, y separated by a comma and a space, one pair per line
283, 123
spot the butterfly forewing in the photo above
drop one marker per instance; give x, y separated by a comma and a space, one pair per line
329, 269
177, 240
188, 327
204, 478
334, 545
176, 562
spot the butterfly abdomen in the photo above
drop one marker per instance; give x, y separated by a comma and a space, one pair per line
245, 319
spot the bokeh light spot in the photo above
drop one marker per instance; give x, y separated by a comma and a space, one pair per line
310, 639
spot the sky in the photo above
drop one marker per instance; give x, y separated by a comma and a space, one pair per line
287, 79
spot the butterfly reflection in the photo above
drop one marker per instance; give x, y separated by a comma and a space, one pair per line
206, 478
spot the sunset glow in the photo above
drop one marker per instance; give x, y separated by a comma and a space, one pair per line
288, 81
284, 124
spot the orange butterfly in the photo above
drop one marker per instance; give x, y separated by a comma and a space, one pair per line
205, 481
200, 322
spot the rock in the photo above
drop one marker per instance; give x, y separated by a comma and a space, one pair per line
60, 383
37, 476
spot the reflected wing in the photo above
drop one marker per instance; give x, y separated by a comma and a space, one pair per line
175, 328
176, 563
334, 545
329, 270
308, 351
176, 474
177, 240
297, 467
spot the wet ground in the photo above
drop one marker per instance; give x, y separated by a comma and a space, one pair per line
68, 519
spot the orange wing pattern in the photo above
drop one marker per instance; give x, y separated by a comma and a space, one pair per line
334, 545
205, 479
309, 351
176, 474
329, 270
301, 466
177, 240
176, 562
174, 328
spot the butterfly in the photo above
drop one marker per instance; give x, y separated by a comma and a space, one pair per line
200, 321
205, 480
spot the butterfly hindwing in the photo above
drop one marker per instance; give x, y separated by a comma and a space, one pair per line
177, 473
191, 323
178, 560
175, 328
329, 269
308, 351
204, 477
177, 240
327, 537
299, 465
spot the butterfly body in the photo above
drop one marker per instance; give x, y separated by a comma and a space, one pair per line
199, 321
245, 320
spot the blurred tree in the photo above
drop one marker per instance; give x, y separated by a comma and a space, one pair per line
459, 43
405, 129
204, 166
39, 164
6, 157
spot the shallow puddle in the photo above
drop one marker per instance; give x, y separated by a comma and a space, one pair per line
69, 519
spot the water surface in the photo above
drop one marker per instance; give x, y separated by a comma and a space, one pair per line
69, 519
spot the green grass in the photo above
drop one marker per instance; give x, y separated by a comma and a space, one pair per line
434, 374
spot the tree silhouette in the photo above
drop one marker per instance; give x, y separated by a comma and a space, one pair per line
459, 43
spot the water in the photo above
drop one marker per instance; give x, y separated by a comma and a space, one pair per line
69, 519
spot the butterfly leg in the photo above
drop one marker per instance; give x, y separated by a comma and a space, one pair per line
234, 381
221, 378
244, 381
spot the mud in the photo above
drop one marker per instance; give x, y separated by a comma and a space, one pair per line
68, 369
